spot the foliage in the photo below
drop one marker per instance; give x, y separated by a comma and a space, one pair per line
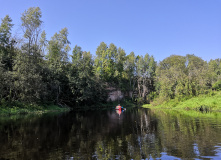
208, 102
84, 85
31, 22
180, 77
41, 71
20, 108
217, 85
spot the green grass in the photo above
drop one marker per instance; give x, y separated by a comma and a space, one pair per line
31, 108
205, 102
195, 114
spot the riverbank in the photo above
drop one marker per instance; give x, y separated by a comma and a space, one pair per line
21, 108
208, 102
33, 109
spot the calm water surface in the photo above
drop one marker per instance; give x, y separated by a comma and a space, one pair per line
133, 134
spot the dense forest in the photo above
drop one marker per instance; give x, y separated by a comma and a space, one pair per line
35, 70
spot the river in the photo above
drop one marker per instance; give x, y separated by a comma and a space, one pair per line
136, 133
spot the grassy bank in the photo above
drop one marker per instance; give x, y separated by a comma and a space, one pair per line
35, 109
187, 114
210, 102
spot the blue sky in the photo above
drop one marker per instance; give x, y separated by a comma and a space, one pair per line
157, 27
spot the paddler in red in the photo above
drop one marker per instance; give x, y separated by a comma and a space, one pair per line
118, 107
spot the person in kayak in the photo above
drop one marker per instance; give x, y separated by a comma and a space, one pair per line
118, 107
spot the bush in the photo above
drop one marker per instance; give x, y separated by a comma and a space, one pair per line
3, 103
217, 85
151, 97
139, 100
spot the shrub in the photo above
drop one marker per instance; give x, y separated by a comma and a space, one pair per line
217, 85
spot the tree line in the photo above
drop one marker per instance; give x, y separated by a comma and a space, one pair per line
36, 70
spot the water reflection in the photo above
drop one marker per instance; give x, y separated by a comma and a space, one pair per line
118, 111
133, 134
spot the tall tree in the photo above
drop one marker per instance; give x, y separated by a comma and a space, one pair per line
109, 63
42, 43
31, 25
171, 72
197, 74
57, 56
7, 53
101, 49
6, 43
28, 69
214, 70
129, 68
5, 30
77, 54
104, 62
29, 85
86, 88
180, 76
58, 48
145, 72
120, 58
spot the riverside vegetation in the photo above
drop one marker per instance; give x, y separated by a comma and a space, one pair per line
204, 103
37, 72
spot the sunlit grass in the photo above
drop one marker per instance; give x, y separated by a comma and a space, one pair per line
205, 102
196, 114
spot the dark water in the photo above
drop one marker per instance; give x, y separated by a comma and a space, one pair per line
134, 134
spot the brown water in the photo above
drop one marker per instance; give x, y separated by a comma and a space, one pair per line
133, 134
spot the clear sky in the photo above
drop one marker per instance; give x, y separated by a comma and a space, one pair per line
158, 27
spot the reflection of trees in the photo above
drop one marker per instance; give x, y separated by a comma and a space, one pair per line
188, 136
134, 138
137, 134
82, 135
31, 137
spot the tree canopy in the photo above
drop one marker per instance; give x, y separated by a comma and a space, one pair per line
43, 71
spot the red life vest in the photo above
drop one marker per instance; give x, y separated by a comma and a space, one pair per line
118, 107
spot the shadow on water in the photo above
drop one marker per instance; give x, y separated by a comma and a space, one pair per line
110, 134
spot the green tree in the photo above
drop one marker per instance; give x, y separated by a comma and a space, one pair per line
145, 74
129, 70
171, 72
31, 25
5, 31
214, 67
198, 77
29, 86
43, 43
28, 65
58, 48
77, 54
120, 59
6, 43
104, 62
57, 58
7, 53
85, 86
180, 76
109, 64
